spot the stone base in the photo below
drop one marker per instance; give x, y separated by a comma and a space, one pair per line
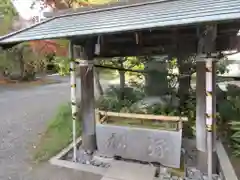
84, 157
89, 142
64, 159
202, 161
195, 174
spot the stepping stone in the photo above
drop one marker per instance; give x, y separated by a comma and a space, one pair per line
121, 170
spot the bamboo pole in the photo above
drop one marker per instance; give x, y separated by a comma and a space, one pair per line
144, 116
209, 114
73, 100
103, 119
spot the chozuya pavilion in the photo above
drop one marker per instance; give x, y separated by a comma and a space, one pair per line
205, 28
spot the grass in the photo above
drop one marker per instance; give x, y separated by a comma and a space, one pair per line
57, 135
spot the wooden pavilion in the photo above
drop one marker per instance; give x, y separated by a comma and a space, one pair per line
135, 28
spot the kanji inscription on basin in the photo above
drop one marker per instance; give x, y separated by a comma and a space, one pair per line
117, 142
158, 148
140, 144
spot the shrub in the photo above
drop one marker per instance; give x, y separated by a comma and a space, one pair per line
62, 65
228, 108
228, 122
235, 137
111, 101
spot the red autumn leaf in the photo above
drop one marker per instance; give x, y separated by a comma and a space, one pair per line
47, 47
50, 46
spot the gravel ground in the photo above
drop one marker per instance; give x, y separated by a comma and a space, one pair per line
24, 115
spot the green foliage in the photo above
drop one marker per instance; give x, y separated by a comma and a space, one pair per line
21, 62
8, 12
134, 63
62, 64
6, 8
172, 64
235, 137
157, 109
189, 111
131, 93
21, 59
4, 61
229, 104
228, 122
221, 66
111, 101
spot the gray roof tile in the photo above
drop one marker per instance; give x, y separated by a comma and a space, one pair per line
149, 15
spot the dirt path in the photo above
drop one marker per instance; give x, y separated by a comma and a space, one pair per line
24, 115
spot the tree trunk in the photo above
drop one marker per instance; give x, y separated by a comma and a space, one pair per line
122, 79
156, 78
22, 69
20, 58
184, 66
97, 82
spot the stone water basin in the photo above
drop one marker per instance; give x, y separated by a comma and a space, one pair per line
147, 142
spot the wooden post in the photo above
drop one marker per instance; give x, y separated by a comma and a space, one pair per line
87, 97
73, 99
200, 110
205, 134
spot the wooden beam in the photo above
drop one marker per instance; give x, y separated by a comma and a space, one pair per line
137, 50
150, 37
158, 42
143, 116
223, 43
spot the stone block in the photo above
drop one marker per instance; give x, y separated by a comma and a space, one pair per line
142, 144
